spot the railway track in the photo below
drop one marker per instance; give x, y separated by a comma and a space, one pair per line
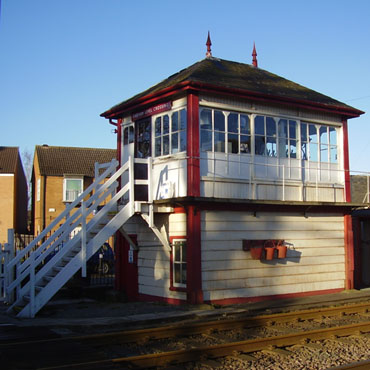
204, 341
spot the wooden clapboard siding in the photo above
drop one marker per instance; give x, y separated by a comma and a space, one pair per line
315, 259
177, 224
215, 295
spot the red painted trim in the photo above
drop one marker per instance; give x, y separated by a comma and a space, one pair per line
172, 287
228, 301
179, 210
347, 178
193, 261
153, 298
137, 104
193, 171
349, 252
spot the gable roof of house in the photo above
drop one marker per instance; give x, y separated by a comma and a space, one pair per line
9, 157
237, 78
59, 160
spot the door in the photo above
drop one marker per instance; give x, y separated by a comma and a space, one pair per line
128, 142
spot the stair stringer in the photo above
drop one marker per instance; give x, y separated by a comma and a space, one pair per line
62, 277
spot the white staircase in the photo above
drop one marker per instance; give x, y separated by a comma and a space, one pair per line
38, 271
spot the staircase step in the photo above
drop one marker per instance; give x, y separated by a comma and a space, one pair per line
58, 268
48, 278
26, 298
39, 288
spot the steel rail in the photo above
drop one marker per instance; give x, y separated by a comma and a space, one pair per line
204, 327
221, 350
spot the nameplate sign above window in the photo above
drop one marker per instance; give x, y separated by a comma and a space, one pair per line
152, 110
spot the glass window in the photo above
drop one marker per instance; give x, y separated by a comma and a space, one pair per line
313, 143
72, 189
179, 263
170, 133
265, 136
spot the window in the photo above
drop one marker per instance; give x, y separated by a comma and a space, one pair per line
72, 188
224, 132
287, 133
179, 262
38, 189
265, 136
170, 133
128, 135
319, 143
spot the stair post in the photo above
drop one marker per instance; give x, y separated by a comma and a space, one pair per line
32, 285
83, 239
9, 272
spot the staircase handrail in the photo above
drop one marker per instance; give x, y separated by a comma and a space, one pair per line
23, 269
50, 227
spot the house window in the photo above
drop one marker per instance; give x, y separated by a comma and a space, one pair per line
224, 132
319, 143
287, 133
170, 133
72, 188
38, 189
128, 135
179, 262
265, 136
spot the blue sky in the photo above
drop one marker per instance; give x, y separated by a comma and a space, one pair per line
62, 63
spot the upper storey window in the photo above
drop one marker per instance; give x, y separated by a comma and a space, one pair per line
319, 143
224, 132
265, 136
170, 133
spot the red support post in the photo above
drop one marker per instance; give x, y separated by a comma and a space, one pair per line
193, 258
347, 177
193, 172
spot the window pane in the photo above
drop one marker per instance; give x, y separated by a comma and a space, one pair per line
232, 121
166, 144
166, 124
323, 135
182, 141
206, 140
292, 129
244, 124
333, 136
175, 143
245, 143
131, 135
304, 132
324, 153
271, 147
259, 125
158, 128
175, 121
283, 128
270, 126
206, 119
219, 121
183, 273
314, 156
293, 149
260, 145
177, 250
73, 184
183, 119
283, 148
219, 142
183, 250
125, 136
233, 143
157, 146
333, 154
177, 273
312, 133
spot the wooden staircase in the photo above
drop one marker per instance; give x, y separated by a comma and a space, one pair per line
38, 271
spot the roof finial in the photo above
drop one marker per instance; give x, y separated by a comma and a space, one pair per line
208, 43
254, 55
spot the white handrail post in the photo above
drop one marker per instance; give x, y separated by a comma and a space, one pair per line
10, 273
83, 239
32, 285
131, 180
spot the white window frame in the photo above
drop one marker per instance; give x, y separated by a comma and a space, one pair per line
80, 178
38, 189
181, 263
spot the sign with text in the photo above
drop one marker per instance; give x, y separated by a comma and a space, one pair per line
152, 110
